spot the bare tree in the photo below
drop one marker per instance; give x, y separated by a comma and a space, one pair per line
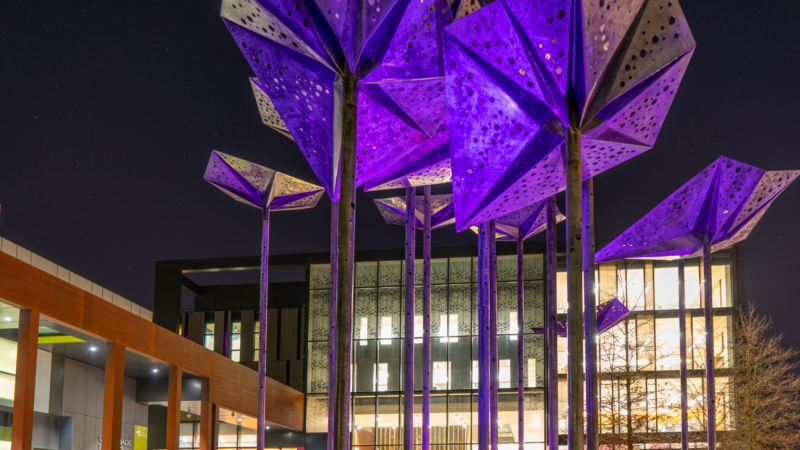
767, 388
626, 356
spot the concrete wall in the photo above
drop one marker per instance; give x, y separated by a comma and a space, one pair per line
83, 402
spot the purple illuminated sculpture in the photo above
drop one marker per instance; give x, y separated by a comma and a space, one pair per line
359, 85
267, 190
609, 314
507, 80
394, 210
518, 226
428, 213
545, 95
716, 209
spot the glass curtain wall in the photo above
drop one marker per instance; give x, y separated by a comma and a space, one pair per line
378, 330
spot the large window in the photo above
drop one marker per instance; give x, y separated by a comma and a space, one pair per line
208, 335
378, 331
236, 336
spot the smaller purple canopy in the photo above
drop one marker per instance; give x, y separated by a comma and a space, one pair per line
523, 223
259, 186
609, 314
394, 210
719, 206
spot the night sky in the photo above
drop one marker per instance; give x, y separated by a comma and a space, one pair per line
109, 110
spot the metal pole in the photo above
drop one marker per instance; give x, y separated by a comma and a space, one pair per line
520, 347
408, 376
590, 317
552, 336
682, 332
332, 334
709, 316
574, 286
262, 337
484, 367
345, 265
493, 331
426, 322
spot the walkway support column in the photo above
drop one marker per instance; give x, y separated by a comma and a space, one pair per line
174, 407
574, 282
208, 411
332, 334
426, 321
25, 383
484, 329
112, 395
408, 376
682, 332
345, 264
262, 337
552, 318
493, 330
520, 347
590, 316
711, 403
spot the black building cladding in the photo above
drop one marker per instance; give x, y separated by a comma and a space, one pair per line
223, 319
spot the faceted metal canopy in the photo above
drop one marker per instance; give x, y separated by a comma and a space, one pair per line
523, 223
394, 210
719, 206
301, 51
507, 71
259, 186
609, 314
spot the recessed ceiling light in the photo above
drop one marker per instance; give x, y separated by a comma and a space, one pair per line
93, 348
8, 319
155, 370
240, 419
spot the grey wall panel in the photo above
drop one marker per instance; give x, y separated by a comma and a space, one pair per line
247, 339
288, 335
57, 385
90, 433
65, 433
91, 391
219, 332
46, 435
141, 415
197, 327
81, 373
78, 431
100, 385
127, 434
41, 397
129, 401
68, 403
277, 371
272, 335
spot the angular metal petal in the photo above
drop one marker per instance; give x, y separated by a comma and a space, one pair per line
269, 115
259, 186
719, 206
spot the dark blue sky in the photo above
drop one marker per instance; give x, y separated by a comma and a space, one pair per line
109, 110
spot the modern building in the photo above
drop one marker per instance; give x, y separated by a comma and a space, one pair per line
639, 369
80, 365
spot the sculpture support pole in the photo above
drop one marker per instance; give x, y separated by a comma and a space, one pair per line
682, 331
574, 288
408, 376
332, 334
520, 347
345, 264
590, 316
426, 321
711, 403
262, 337
493, 331
484, 368
552, 318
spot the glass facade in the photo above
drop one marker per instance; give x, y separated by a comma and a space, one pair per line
639, 360
378, 330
